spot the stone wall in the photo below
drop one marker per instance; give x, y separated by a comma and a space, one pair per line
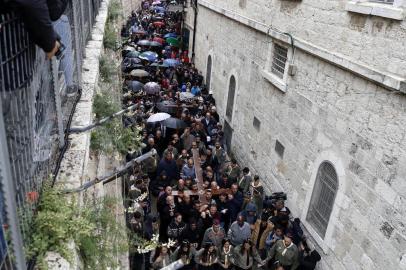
372, 40
327, 113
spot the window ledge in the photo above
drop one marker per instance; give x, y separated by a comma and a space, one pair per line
277, 82
376, 9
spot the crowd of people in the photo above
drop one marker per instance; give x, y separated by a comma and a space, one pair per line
216, 212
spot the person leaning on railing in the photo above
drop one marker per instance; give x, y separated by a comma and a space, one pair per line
38, 16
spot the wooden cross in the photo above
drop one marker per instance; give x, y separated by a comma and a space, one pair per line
199, 175
201, 192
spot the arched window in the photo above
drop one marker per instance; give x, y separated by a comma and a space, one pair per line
230, 98
323, 197
208, 72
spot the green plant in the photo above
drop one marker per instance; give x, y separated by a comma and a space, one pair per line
114, 11
94, 228
107, 68
112, 136
55, 224
101, 249
110, 37
104, 105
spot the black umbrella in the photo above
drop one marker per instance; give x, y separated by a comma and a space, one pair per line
174, 123
131, 61
135, 86
130, 64
166, 106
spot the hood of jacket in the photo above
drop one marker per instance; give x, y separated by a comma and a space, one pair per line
251, 207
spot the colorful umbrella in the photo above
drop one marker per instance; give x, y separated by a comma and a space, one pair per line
149, 56
157, 18
152, 88
172, 41
139, 73
158, 24
158, 117
144, 42
172, 35
171, 62
158, 39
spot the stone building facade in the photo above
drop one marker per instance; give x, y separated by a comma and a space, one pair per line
312, 95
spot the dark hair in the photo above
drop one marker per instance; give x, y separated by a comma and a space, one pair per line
138, 181
225, 240
246, 170
192, 220
242, 246
158, 251
206, 253
181, 253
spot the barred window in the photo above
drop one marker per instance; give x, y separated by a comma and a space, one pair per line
208, 72
230, 98
280, 56
323, 197
383, 1
256, 123
279, 148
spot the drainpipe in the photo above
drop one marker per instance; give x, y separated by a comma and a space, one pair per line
194, 31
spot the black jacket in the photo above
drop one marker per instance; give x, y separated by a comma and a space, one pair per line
175, 230
38, 16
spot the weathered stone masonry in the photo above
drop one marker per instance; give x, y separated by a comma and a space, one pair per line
327, 113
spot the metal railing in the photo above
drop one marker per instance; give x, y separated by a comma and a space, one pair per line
36, 100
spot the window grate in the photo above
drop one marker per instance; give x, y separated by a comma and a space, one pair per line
256, 123
323, 197
230, 98
279, 149
280, 56
383, 1
208, 72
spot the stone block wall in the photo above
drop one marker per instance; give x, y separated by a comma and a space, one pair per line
375, 41
327, 113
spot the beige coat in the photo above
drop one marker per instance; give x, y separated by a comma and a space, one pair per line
265, 234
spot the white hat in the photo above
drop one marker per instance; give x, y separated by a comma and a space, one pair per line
210, 92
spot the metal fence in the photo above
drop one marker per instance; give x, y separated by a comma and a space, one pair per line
36, 99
